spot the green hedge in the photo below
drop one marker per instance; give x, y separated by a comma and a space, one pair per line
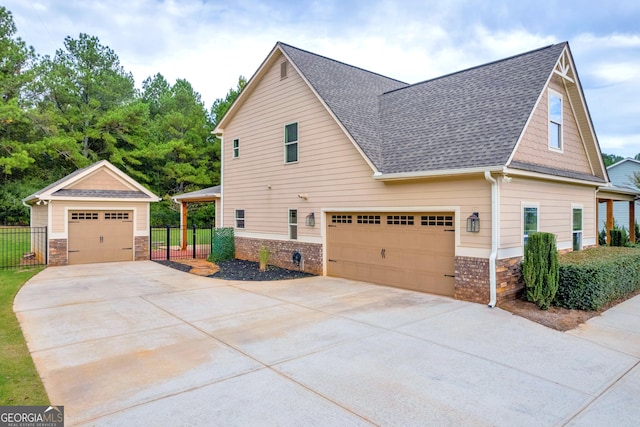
223, 246
591, 278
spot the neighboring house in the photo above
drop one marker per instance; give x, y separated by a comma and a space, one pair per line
95, 214
432, 186
621, 175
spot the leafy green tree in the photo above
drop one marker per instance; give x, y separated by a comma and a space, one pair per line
89, 100
16, 62
221, 105
610, 159
183, 156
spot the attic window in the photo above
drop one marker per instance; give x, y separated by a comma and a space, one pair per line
284, 67
555, 121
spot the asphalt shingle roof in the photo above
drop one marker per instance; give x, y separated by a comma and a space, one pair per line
469, 119
109, 194
350, 92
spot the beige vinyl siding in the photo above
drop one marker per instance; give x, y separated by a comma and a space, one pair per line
39, 217
554, 202
330, 169
102, 179
534, 146
59, 217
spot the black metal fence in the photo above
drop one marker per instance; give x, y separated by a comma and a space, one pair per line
171, 242
23, 246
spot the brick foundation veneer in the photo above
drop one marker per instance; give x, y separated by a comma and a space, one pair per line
472, 279
142, 248
57, 252
281, 252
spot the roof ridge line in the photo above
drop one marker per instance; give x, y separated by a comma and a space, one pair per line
477, 66
343, 63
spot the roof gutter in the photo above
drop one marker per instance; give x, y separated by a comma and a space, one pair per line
495, 220
379, 176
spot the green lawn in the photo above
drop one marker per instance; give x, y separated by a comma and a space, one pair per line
159, 236
15, 242
19, 381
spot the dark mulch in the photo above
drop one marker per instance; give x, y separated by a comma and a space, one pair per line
175, 265
237, 269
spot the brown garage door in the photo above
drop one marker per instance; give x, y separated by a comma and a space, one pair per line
406, 250
100, 236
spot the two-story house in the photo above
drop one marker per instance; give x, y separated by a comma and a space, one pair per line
432, 186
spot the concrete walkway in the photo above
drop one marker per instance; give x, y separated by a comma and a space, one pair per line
142, 344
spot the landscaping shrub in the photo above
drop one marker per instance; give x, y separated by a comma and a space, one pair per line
619, 236
264, 256
223, 245
540, 269
591, 278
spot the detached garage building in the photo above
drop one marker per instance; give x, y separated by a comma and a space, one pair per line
96, 214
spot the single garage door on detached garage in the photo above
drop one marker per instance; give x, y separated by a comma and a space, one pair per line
100, 236
407, 250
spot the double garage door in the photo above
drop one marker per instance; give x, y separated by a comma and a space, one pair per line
406, 250
100, 236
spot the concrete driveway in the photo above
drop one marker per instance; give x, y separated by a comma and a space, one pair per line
141, 344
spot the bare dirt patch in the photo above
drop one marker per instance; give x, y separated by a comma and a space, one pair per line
561, 319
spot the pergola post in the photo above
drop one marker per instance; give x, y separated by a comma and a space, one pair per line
632, 221
609, 224
183, 226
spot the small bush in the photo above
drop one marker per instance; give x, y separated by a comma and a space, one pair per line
591, 278
540, 269
619, 236
222, 245
264, 256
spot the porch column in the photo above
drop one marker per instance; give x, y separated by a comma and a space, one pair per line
632, 221
609, 224
183, 226
597, 222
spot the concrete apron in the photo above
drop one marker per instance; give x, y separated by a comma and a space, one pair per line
140, 343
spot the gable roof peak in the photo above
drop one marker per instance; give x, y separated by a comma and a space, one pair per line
285, 46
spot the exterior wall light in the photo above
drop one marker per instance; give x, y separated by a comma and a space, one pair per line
311, 220
473, 223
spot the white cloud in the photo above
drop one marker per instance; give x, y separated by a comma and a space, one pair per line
211, 43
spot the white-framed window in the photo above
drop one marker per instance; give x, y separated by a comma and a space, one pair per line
284, 69
530, 221
293, 224
236, 148
239, 218
291, 143
555, 120
576, 227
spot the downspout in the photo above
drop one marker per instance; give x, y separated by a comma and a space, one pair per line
494, 237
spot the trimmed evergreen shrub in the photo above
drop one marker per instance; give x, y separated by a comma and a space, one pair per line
540, 269
223, 246
619, 236
591, 278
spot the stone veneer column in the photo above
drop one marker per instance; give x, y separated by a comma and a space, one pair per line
58, 252
142, 248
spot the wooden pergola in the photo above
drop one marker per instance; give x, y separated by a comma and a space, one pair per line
611, 194
206, 195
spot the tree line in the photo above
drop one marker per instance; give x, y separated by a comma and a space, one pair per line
65, 112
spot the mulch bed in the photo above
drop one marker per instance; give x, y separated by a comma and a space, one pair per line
237, 269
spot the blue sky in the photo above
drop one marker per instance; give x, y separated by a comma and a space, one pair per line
211, 43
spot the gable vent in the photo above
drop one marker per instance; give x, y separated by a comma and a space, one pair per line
283, 69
